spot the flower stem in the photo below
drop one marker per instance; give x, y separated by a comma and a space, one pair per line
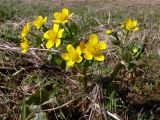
34, 35
69, 29
84, 80
115, 72
45, 28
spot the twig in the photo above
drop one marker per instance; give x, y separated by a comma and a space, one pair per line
6, 47
65, 104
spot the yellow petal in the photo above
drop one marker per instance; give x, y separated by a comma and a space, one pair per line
57, 15
79, 59
135, 22
82, 45
88, 56
49, 44
65, 11
70, 48
78, 50
65, 56
102, 45
56, 21
71, 15
57, 42
93, 39
24, 50
60, 32
25, 30
109, 32
45, 19
136, 28
135, 50
128, 20
65, 21
40, 18
46, 34
24, 45
99, 57
56, 27
70, 63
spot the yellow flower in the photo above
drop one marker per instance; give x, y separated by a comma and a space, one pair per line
135, 50
62, 17
73, 55
109, 31
39, 22
25, 30
94, 48
53, 36
24, 45
130, 25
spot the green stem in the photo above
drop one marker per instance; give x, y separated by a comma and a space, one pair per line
84, 80
45, 28
115, 72
34, 35
126, 36
69, 30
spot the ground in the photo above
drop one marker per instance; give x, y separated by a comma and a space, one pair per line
30, 85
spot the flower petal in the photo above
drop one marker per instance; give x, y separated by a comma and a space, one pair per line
65, 11
102, 45
57, 42
78, 50
71, 15
134, 23
24, 45
60, 32
56, 27
57, 15
88, 56
70, 63
79, 59
49, 44
65, 56
46, 34
99, 57
45, 19
56, 21
136, 28
24, 50
70, 48
93, 39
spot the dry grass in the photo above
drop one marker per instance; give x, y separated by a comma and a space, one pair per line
24, 77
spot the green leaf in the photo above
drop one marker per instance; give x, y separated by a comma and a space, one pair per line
115, 42
38, 98
74, 28
56, 59
39, 41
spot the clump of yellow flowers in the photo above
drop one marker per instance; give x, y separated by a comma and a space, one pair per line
72, 51
91, 50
